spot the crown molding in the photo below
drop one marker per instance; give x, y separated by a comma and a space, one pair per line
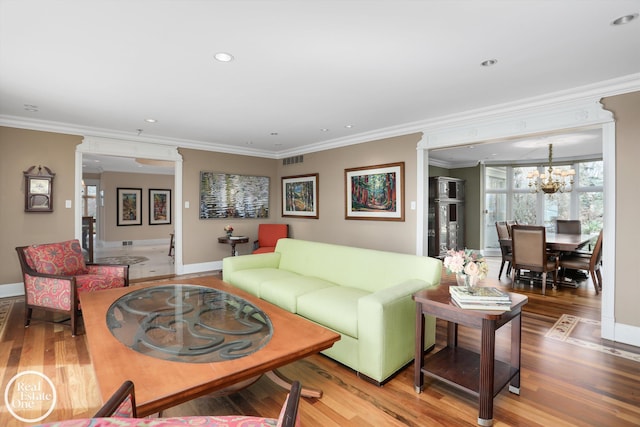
436, 128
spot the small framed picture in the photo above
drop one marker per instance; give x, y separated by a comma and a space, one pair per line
129, 206
375, 192
159, 206
300, 196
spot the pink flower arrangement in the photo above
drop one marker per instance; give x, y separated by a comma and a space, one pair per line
228, 228
466, 262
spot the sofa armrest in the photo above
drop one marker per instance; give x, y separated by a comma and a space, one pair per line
386, 328
233, 264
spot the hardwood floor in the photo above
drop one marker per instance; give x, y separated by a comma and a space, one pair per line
562, 384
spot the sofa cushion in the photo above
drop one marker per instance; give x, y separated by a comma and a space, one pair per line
366, 269
249, 280
64, 258
335, 307
284, 292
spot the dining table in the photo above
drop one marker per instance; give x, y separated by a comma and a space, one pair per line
562, 242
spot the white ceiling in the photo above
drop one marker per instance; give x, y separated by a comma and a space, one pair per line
102, 67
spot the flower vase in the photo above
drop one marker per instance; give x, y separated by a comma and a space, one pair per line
469, 282
229, 233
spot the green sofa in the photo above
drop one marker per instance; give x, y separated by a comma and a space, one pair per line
362, 294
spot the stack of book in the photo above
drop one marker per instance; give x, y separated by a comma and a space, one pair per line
480, 298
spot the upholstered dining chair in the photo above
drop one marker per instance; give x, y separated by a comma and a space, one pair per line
568, 226
54, 274
529, 251
505, 246
268, 236
120, 410
591, 264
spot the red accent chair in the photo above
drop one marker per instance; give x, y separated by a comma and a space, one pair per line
54, 273
268, 236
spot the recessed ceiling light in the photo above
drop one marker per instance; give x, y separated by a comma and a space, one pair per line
223, 57
150, 120
274, 134
348, 126
31, 107
324, 130
489, 62
624, 19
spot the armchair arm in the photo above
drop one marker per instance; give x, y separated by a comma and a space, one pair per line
233, 264
49, 290
386, 329
116, 270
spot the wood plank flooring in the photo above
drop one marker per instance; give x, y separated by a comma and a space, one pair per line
562, 384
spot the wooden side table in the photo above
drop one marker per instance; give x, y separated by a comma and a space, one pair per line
233, 241
480, 374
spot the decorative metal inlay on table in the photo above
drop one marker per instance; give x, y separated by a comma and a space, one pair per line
188, 323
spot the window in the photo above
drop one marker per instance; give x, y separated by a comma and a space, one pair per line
89, 193
508, 197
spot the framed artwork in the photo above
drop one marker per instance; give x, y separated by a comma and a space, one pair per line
38, 189
225, 195
300, 196
129, 206
375, 192
159, 206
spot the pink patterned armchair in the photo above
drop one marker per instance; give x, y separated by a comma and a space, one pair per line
54, 273
120, 411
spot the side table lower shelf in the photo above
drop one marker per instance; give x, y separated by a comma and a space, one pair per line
460, 368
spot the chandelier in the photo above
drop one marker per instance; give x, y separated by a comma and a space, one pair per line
555, 180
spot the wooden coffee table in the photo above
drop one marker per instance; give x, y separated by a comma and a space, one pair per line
161, 384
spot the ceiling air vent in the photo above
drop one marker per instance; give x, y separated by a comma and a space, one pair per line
292, 160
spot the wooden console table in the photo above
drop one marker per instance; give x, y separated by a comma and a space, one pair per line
233, 241
480, 374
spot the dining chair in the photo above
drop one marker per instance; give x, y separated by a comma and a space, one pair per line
505, 247
529, 252
568, 226
591, 264
510, 223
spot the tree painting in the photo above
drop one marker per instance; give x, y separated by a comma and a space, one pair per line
299, 196
376, 192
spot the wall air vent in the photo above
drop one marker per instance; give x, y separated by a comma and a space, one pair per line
292, 160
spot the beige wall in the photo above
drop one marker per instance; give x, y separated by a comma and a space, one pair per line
109, 231
200, 236
332, 225
19, 150
626, 110
474, 219
22, 148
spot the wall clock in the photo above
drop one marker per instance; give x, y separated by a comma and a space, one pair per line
38, 189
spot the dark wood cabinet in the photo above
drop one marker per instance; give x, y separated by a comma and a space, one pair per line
446, 215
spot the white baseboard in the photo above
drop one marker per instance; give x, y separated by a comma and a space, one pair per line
200, 267
627, 334
11, 290
134, 243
